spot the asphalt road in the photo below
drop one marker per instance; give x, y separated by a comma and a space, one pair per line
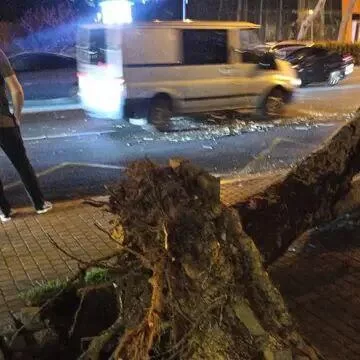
74, 156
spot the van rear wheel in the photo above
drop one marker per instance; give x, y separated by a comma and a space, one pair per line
160, 112
274, 104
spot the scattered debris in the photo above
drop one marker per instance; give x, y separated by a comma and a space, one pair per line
207, 147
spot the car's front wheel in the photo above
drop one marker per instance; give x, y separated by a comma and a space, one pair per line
274, 104
334, 78
160, 111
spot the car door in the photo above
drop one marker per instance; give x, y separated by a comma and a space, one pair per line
27, 68
248, 78
45, 75
303, 61
207, 82
60, 70
318, 64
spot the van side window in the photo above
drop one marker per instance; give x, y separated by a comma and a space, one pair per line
205, 47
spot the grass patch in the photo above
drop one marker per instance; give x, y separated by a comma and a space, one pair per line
96, 276
38, 294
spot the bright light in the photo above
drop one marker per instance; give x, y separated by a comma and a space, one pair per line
116, 12
102, 96
98, 17
311, 11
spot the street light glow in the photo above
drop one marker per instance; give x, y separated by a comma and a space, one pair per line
116, 12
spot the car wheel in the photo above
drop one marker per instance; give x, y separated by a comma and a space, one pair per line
274, 104
334, 78
160, 112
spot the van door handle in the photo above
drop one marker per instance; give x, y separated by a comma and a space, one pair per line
225, 70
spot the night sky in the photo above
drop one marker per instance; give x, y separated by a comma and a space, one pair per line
11, 10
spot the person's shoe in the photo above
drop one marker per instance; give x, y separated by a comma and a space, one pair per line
5, 218
45, 208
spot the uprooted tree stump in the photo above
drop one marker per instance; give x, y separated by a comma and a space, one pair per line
306, 197
189, 283
206, 294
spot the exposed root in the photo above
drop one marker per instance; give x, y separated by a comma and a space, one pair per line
137, 343
98, 342
72, 329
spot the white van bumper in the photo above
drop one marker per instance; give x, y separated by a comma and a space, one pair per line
102, 97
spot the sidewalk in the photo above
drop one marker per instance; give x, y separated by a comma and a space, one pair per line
27, 256
321, 282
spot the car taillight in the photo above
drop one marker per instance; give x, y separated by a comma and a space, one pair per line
347, 57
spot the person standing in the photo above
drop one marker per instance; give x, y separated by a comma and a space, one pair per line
12, 143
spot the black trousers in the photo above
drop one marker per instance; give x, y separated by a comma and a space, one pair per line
12, 144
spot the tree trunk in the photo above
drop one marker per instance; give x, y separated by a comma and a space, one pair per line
345, 20
221, 7
261, 20
322, 24
239, 10
279, 26
261, 12
306, 23
306, 197
246, 10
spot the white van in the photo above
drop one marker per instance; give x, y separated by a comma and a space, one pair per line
159, 69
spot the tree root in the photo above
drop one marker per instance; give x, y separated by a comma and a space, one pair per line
73, 326
98, 342
136, 343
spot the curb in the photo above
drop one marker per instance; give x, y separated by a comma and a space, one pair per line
49, 105
258, 176
65, 204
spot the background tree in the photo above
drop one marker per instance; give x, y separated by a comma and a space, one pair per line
49, 29
345, 20
309, 19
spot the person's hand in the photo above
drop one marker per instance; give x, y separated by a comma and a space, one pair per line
17, 120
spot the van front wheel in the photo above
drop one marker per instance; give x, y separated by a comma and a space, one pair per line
274, 104
160, 112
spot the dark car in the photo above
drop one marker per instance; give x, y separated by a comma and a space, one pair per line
46, 75
315, 64
285, 48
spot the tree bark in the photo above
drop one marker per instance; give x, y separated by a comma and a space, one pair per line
306, 23
306, 197
345, 20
